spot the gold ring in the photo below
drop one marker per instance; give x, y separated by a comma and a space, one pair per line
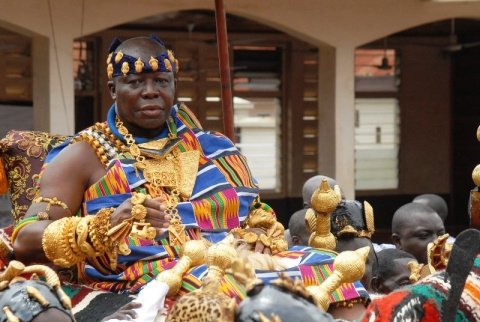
138, 198
139, 212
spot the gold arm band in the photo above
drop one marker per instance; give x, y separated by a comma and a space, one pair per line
82, 236
52, 202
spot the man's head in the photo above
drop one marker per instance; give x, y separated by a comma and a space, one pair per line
297, 228
414, 225
142, 83
347, 242
435, 202
312, 184
391, 270
351, 217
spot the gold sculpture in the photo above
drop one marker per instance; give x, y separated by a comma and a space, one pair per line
220, 257
349, 266
15, 269
324, 201
192, 253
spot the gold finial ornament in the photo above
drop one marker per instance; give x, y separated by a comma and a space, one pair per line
324, 201
192, 253
109, 59
110, 71
125, 68
476, 175
118, 57
153, 62
139, 65
170, 55
478, 133
167, 63
368, 209
349, 266
220, 257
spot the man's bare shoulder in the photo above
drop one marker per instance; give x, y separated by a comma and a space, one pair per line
77, 152
76, 160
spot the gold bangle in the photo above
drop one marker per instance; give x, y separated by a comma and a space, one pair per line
82, 235
56, 244
98, 228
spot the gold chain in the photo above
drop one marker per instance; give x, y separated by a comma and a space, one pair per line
176, 229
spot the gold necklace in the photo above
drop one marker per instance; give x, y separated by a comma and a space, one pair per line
162, 170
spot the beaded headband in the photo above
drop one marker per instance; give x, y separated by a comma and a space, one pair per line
120, 64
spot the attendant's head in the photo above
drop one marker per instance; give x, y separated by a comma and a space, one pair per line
353, 243
297, 228
288, 237
352, 223
435, 202
391, 270
414, 226
312, 184
142, 83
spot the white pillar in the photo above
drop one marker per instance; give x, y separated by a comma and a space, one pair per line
337, 116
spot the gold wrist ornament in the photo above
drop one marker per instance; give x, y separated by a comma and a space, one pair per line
66, 241
57, 239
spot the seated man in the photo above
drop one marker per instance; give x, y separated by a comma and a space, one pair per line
391, 270
120, 198
414, 226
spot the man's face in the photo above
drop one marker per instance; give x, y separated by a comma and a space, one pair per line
144, 101
399, 278
421, 229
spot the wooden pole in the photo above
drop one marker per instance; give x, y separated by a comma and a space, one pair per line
222, 43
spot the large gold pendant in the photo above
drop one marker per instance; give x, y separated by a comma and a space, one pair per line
173, 171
